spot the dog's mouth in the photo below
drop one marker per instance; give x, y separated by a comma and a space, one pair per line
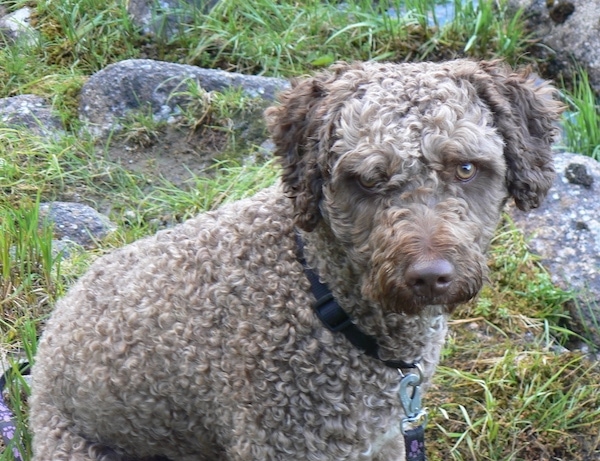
412, 295
415, 305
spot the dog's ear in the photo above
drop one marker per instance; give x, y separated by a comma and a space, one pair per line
301, 127
526, 115
292, 128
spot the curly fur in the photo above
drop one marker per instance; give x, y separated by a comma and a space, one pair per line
200, 343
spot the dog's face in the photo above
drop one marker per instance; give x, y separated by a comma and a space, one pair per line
409, 166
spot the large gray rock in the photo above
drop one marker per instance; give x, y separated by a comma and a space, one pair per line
568, 32
137, 84
565, 232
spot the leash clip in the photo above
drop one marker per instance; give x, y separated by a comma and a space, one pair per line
410, 398
415, 417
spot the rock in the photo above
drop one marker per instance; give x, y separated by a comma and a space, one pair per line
560, 12
568, 31
576, 173
76, 222
565, 233
16, 27
165, 18
31, 112
138, 84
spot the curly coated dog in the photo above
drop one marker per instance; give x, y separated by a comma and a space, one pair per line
203, 342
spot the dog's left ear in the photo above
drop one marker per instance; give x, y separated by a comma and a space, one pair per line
526, 115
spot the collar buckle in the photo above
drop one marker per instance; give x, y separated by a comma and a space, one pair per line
328, 311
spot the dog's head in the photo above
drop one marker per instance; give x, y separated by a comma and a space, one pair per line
303, 127
409, 166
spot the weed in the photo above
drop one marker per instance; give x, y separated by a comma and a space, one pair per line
28, 268
274, 38
487, 27
519, 394
215, 109
86, 34
140, 127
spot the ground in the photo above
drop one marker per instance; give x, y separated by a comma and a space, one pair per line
173, 153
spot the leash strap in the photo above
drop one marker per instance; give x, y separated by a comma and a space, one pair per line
337, 320
414, 439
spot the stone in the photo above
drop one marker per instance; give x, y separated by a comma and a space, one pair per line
76, 222
576, 173
568, 34
165, 18
30, 112
16, 26
138, 84
565, 232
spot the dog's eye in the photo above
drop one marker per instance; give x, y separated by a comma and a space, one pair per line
465, 171
368, 183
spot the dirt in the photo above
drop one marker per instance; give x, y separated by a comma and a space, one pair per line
173, 153
178, 151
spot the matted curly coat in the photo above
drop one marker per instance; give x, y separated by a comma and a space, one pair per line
200, 343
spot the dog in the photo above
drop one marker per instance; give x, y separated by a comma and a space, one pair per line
305, 322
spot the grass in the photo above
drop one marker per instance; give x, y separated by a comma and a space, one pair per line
232, 182
27, 265
516, 406
17, 388
78, 38
493, 28
508, 389
582, 122
290, 41
29, 276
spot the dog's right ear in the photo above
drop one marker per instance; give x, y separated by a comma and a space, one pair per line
301, 127
293, 128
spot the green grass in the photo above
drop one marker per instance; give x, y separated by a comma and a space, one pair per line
232, 182
29, 284
505, 390
487, 30
265, 37
18, 390
582, 120
78, 38
517, 406
86, 34
28, 268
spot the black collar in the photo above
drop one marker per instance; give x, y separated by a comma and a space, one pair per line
337, 320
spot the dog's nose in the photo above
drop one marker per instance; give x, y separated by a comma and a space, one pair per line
430, 278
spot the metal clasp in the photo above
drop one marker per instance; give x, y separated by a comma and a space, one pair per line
410, 398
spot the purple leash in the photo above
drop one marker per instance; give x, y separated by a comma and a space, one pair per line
8, 427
